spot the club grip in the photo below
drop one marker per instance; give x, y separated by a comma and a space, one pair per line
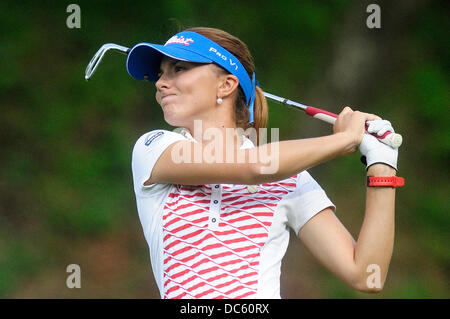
394, 140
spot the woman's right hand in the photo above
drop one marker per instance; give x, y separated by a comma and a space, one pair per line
352, 125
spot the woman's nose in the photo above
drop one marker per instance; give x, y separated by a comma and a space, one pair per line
162, 82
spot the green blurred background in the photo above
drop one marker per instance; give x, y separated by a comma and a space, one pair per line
66, 187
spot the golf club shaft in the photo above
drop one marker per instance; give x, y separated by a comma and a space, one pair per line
389, 138
392, 139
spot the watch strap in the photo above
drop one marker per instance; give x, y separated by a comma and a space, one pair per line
385, 181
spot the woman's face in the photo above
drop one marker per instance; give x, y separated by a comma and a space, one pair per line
186, 91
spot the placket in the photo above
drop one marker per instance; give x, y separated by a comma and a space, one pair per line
214, 206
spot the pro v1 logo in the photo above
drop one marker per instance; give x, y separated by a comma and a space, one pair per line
223, 57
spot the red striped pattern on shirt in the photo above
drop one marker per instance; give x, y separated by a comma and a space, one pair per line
217, 262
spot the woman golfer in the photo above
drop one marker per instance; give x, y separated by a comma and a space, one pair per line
220, 228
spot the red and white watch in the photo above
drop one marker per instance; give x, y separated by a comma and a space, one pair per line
385, 181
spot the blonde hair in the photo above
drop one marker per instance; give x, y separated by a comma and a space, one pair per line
240, 50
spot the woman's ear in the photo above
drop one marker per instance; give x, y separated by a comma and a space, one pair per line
228, 85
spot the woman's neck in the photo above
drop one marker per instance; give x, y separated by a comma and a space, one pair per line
206, 133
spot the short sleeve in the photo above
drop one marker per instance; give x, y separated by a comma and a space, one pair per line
307, 200
146, 152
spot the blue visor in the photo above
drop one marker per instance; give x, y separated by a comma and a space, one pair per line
144, 59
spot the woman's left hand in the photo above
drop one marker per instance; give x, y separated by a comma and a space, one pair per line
373, 150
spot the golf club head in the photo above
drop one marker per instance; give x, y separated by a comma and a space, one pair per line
97, 58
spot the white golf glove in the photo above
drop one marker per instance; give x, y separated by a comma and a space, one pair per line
372, 150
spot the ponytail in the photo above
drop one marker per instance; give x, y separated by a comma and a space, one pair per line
261, 111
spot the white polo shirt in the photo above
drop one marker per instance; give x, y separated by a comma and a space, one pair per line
218, 240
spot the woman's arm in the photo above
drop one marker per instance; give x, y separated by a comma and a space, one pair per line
266, 163
333, 246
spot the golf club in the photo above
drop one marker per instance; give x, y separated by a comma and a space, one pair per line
97, 58
389, 138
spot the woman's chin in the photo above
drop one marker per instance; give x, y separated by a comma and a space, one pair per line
172, 119
176, 115
171, 122
169, 112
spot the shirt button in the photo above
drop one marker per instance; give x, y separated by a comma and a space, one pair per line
213, 220
216, 201
252, 188
217, 186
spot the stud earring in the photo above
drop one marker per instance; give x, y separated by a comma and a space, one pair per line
219, 100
